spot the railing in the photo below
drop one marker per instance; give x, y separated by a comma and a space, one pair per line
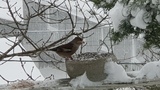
126, 66
132, 66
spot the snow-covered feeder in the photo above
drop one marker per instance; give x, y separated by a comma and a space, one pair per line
92, 63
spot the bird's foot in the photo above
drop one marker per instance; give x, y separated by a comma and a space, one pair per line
66, 59
69, 59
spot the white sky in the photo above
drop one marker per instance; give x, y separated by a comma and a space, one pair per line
13, 70
5, 11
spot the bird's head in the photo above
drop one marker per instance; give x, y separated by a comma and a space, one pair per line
78, 40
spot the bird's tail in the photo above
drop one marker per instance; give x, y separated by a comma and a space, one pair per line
53, 49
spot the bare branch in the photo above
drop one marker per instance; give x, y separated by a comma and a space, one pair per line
29, 76
8, 81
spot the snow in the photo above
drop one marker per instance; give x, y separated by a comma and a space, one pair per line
116, 15
139, 20
28, 84
133, 73
155, 1
120, 12
150, 71
116, 73
83, 81
158, 18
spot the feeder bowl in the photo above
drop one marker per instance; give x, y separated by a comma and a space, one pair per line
94, 68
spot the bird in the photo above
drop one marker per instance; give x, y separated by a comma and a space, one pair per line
67, 50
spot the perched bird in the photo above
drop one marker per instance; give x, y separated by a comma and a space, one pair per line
67, 50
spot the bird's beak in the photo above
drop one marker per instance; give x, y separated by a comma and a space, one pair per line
83, 42
80, 42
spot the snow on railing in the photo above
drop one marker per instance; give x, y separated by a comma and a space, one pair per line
132, 66
126, 66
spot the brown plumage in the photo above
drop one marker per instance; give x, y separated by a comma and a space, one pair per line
67, 50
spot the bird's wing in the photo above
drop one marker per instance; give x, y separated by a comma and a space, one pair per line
65, 48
